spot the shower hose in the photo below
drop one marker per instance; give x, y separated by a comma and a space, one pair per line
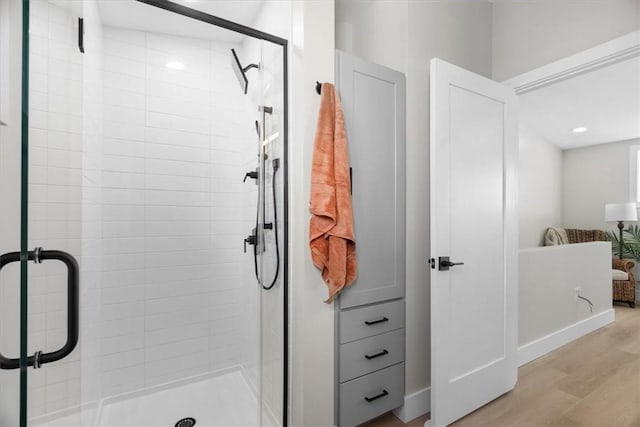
276, 166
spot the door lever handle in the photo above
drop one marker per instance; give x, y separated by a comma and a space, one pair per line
444, 264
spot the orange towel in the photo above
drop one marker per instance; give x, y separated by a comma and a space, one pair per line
331, 236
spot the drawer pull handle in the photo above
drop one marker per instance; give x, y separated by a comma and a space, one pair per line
373, 322
377, 396
373, 356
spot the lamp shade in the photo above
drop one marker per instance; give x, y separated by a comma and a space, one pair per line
614, 212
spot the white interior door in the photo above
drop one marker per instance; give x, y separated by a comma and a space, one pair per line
473, 221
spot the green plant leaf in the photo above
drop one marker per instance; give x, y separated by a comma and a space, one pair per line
630, 242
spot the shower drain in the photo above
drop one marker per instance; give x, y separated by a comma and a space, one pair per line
186, 422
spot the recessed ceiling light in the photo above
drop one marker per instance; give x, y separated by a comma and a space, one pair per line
579, 130
175, 65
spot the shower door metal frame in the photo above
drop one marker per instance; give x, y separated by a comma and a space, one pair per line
261, 35
24, 203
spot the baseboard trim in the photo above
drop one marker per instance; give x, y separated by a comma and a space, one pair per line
415, 405
544, 345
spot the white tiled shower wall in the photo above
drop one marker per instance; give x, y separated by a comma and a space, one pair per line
55, 195
137, 171
175, 211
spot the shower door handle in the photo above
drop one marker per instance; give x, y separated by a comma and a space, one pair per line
73, 302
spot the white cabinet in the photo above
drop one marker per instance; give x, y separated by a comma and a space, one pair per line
370, 333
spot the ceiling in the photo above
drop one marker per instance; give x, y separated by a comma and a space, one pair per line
134, 15
606, 101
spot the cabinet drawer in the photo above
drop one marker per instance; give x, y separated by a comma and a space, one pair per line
372, 395
361, 357
375, 319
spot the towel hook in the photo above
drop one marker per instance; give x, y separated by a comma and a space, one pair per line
318, 87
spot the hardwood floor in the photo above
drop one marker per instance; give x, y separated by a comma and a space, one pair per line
591, 382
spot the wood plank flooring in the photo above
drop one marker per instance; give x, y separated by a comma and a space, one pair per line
591, 382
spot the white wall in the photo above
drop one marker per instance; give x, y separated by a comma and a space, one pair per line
311, 325
405, 35
548, 277
540, 187
594, 176
529, 34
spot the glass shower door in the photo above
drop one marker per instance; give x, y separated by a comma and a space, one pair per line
139, 139
272, 350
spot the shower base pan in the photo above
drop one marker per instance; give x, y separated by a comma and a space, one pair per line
216, 400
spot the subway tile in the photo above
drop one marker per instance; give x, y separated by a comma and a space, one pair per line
173, 152
121, 343
175, 319
122, 114
176, 228
118, 361
171, 43
179, 213
176, 243
178, 92
123, 98
178, 78
126, 262
122, 245
177, 183
124, 213
176, 198
118, 327
124, 49
184, 287
119, 81
38, 138
39, 45
176, 273
122, 380
122, 229
119, 64
123, 278
38, 101
123, 180
125, 131
61, 372
165, 352
113, 163
123, 196
178, 138
132, 37
179, 107
176, 304
177, 258
176, 334
177, 168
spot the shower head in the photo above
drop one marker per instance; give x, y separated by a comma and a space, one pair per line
258, 128
241, 71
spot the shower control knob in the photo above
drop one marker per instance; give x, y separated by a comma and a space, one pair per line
251, 240
251, 174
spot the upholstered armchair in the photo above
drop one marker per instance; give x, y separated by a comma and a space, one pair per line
624, 284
